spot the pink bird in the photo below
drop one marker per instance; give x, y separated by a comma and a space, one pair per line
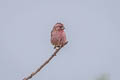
58, 36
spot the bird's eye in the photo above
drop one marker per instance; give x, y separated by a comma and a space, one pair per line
61, 26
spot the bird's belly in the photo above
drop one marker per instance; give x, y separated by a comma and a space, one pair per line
58, 39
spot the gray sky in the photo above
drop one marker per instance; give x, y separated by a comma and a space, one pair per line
93, 32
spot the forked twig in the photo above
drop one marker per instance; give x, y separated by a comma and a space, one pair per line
46, 62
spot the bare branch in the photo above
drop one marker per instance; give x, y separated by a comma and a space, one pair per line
46, 62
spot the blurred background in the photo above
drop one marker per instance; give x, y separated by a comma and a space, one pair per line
93, 32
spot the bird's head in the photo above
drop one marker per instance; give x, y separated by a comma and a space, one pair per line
59, 26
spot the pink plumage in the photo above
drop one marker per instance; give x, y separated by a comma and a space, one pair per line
58, 36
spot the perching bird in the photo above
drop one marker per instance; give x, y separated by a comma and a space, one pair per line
58, 36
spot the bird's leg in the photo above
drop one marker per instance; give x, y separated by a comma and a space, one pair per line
56, 47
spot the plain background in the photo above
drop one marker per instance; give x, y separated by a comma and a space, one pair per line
93, 32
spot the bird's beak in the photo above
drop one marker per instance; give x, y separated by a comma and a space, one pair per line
63, 27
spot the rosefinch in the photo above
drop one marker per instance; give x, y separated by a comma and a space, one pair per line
58, 36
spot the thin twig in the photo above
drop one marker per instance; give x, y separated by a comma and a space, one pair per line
46, 62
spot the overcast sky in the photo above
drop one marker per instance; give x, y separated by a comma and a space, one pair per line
93, 32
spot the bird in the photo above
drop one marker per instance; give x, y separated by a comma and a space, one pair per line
58, 35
